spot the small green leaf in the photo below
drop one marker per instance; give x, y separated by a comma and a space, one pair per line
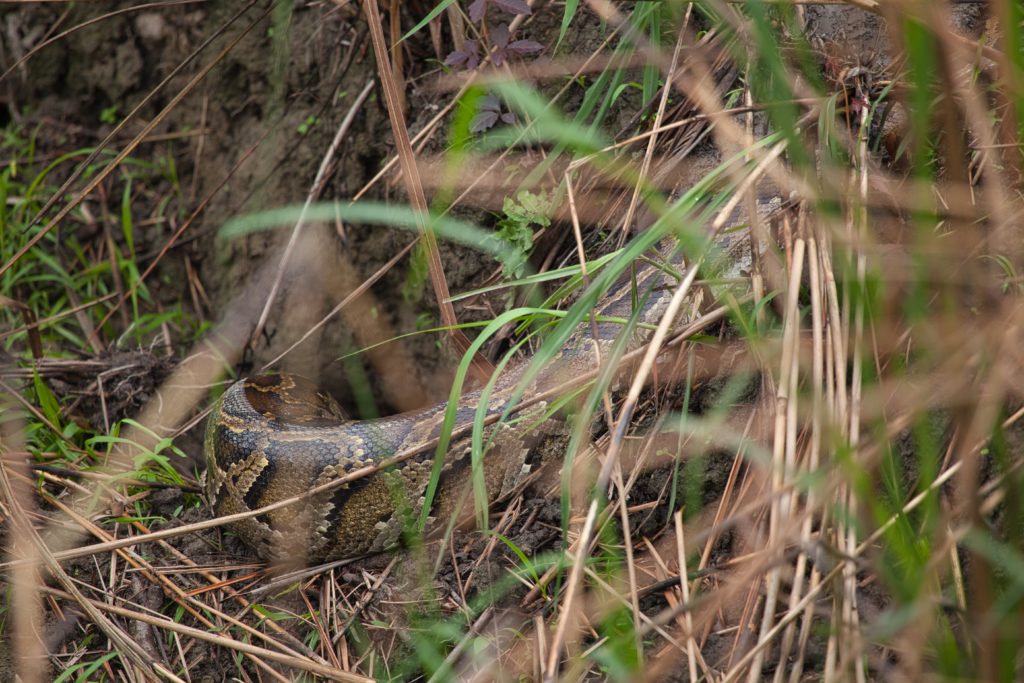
126, 216
109, 114
47, 401
270, 614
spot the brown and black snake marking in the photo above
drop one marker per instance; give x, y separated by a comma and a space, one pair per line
275, 436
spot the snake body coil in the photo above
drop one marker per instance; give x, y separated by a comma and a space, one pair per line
273, 437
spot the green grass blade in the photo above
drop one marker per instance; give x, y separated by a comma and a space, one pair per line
431, 15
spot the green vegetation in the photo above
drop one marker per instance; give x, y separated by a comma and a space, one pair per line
60, 296
821, 479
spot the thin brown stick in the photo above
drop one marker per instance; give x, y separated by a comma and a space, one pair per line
483, 369
684, 594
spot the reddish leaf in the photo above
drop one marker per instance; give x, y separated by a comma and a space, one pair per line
483, 121
500, 36
469, 56
513, 6
477, 10
525, 46
490, 103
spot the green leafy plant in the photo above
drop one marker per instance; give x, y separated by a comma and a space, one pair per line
516, 229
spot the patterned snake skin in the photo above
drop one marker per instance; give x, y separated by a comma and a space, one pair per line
272, 437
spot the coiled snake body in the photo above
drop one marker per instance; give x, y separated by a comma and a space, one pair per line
272, 437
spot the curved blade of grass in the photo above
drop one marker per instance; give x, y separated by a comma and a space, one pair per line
406, 335
477, 437
374, 213
431, 15
571, 272
567, 17
448, 425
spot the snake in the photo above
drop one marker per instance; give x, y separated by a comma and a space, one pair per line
273, 437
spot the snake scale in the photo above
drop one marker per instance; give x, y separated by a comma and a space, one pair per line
272, 437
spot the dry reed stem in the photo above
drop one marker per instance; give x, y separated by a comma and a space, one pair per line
645, 165
811, 465
482, 368
784, 444
684, 594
